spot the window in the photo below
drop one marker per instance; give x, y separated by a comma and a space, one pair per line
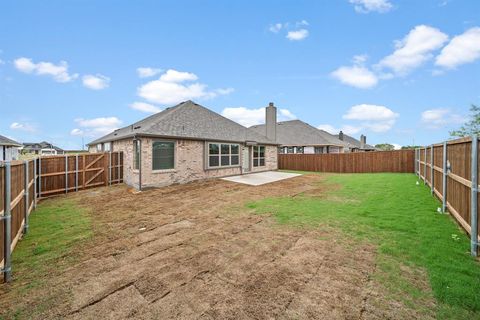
258, 156
223, 155
281, 150
299, 149
163, 155
106, 147
319, 150
289, 149
99, 147
136, 154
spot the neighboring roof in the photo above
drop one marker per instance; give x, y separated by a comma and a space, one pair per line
353, 143
40, 145
187, 120
4, 141
299, 133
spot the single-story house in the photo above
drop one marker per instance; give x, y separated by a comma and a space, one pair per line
188, 142
43, 148
355, 145
296, 136
8, 149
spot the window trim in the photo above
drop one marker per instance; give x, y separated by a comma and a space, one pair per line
259, 157
174, 156
136, 144
230, 154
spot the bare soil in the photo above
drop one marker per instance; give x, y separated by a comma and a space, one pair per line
195, 252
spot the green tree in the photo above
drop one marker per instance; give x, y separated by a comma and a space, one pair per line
385, 147
472, 126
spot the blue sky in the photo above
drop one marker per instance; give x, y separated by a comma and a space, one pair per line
397, 71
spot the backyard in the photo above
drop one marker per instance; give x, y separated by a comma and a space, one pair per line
333, 246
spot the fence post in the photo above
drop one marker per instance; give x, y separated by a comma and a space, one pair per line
110, 168
431, 169
76, 172
119, 167
26, 197
40, 176
415, 166
473, 197
425, 167
66, 173
35, 183
7, 218
444, 178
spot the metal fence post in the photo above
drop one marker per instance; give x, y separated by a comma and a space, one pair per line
473, 197
40, 176
425, 167
76, 172
431, 169
110, 168
444, 178
7, 218
66, 173
35, 183
26, 197
415, 166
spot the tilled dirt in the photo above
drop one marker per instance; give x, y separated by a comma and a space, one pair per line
194, 252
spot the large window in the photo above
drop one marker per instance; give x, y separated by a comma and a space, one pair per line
223, 155
136, 154
106, 147
163, 155
258, 156
99, 147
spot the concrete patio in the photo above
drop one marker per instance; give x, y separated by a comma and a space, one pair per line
258, 179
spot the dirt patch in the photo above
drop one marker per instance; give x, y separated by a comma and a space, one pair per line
193, 252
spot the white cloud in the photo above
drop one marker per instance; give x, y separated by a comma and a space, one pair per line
250, 117
396, 146
145, 107
96, 82
175, 86
297, 35
145, 72
275, 28
366, 6
95, 127
347, 129
464, 48
414, 49
440, 117
59, 72
22, 126
356, 76
373, 117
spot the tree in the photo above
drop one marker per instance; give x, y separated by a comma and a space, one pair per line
385, 146
411, 147
472, 126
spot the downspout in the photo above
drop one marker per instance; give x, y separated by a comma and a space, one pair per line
139, 147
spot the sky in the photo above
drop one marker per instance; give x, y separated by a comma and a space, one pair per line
398, 71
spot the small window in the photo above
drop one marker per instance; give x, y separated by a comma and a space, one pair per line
300, 149
106, 147
289, 149
223, 155
258, 156
99, 147
136, 154
163, 155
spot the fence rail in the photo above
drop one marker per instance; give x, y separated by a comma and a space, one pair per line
450, 169
22, 183
355, 162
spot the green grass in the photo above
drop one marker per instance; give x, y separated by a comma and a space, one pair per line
401, 218
57, 227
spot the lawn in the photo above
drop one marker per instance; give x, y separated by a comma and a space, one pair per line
401, 219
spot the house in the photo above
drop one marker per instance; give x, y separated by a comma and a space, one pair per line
355, 145
8, 149
296, 136
41, 148
189, 142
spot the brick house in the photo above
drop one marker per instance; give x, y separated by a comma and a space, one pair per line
355, 145
189, 142
296, 136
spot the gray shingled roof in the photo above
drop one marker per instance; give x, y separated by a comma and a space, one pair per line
354, 143
40, 145
4, 141
187, 120
299, 133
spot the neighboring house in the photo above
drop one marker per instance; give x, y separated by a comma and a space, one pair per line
41, 148
355, 145
8, 149
188, 142
296, 136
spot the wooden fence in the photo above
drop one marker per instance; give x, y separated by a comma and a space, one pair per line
354, 162
450, 170
22, 183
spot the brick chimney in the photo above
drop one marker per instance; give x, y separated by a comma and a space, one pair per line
363, 141
271, 122
340, 135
